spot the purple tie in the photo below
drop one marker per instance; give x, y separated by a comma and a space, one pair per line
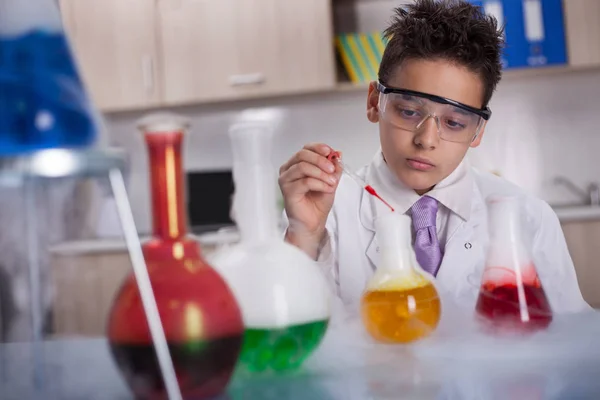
427, 246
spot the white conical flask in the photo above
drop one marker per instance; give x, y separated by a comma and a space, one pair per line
284, 297
400, 303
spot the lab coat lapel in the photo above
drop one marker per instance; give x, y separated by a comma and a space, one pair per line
466, 243
380, 177
367, 215
464, 255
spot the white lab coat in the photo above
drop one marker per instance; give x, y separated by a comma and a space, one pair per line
351, 255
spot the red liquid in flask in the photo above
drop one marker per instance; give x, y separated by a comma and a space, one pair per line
500, 305
201, 319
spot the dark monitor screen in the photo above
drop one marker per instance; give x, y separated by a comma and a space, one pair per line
210, 194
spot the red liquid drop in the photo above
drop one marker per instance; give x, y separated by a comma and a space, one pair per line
500, 306
372, 192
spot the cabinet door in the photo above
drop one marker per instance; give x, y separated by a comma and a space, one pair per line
582, 239
114, 43
198, 49
216, 50
582, 20
287, 43
85, 286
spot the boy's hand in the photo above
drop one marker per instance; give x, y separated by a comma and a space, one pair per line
308, 182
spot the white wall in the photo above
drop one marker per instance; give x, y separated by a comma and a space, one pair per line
541, 127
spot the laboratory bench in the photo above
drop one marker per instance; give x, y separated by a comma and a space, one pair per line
87, 274
456, 362
576, 213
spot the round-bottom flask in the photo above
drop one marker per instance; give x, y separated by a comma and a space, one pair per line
400, 304
283, 295
201, 320
284, 301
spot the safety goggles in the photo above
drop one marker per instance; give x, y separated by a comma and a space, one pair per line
409, 110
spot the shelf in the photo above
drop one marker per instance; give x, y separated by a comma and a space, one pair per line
60, 163
337, 90
508, 75
547, 71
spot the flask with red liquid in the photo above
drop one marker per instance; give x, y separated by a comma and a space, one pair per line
200, 316
511, 296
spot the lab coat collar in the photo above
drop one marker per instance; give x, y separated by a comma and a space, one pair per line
466, 241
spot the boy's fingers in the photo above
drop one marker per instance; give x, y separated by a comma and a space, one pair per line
338, 172
310, 157
319, 148
314, 185
303, 170
306, 185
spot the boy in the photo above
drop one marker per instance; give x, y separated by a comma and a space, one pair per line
436, 79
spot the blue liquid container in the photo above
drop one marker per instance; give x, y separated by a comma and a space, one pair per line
43, 103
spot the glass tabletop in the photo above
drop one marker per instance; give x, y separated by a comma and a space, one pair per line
562, 363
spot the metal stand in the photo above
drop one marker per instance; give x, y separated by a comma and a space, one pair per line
28, 171
35, 301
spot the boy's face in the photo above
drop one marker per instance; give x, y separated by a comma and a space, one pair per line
422, 159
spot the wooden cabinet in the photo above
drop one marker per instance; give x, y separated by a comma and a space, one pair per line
582, 20
86, 277
198, 48
115, 45
142, 53
136, 54
583, 240
85, 285
226, 49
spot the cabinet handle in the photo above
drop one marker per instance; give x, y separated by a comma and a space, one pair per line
247, 79
148, 73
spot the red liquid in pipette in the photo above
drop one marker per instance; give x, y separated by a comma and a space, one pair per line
372, 192
336, 155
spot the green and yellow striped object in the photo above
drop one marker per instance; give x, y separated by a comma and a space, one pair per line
361, 54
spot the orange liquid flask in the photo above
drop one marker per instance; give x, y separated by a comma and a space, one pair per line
511, 297
400, 304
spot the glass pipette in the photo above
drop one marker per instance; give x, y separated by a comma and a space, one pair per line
335, 156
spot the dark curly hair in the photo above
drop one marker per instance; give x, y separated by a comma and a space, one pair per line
452, 30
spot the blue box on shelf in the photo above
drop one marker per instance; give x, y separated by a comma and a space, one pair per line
535, 32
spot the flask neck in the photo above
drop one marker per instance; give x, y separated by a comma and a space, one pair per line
166, 181
19, 17
255, 202
255, 199
507, 247
395, 244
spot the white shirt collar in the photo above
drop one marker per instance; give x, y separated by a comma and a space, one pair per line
454, 192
